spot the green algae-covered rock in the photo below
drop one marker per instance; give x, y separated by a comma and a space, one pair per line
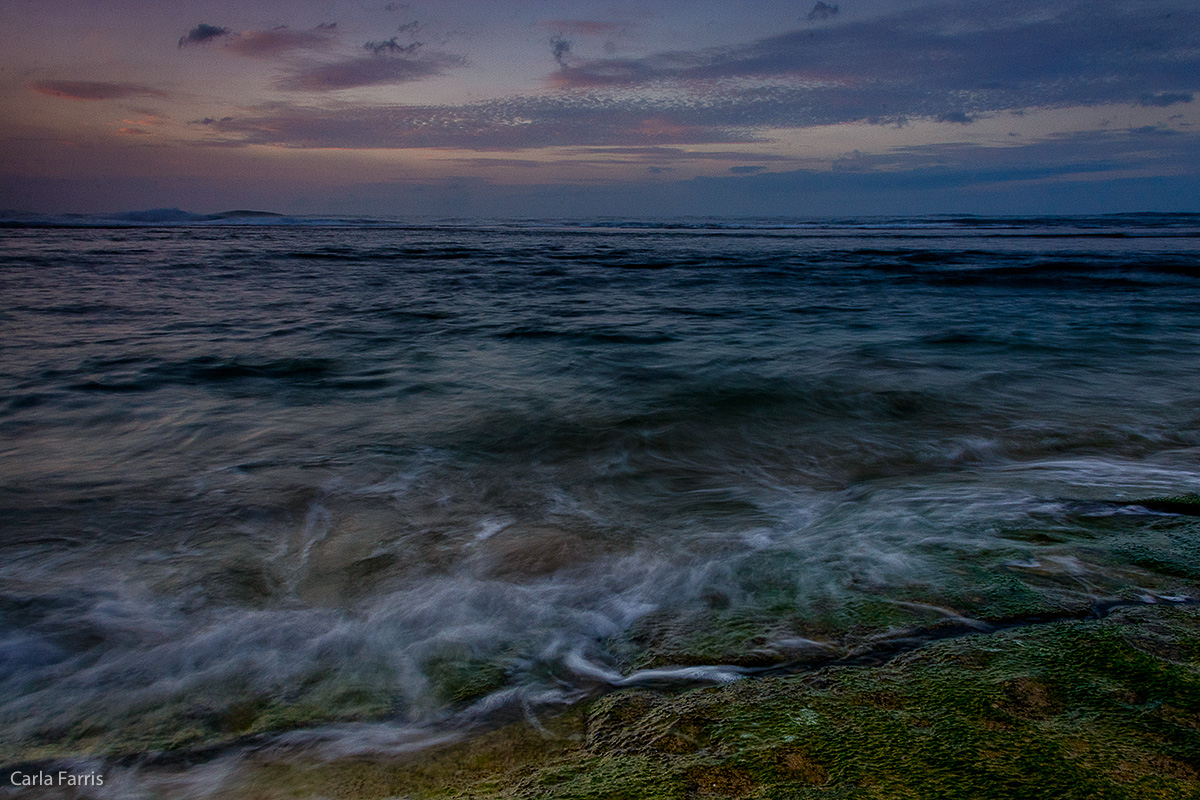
1179, 504
1072, 709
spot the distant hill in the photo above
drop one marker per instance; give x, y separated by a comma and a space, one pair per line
241, 212
179, 215
150, 216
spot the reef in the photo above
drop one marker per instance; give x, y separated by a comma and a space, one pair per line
1099, 708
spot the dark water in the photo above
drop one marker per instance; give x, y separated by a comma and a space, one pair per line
319, 466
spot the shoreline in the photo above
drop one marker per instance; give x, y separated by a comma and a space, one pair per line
1064, 688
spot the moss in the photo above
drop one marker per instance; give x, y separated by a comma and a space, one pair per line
1122, 556
748, 636
1105, 709
205, 722
490, 764
608, 777
1071, 709
350, 704
1178, 504
457, 678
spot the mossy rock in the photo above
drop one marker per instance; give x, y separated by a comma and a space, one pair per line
1073, 709
204, 723
1188, 504
456, 679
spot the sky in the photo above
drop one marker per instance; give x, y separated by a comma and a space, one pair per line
465, 108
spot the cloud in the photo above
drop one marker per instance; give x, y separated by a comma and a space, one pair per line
560, 48
948, 60
392, 48
1163, 99
505, 124
202, 33
94, 90
746, 170
499, 162
653, 157
366, 71
606, 154
821, 11
1148, 149
282, 41
616, 72
1090, 172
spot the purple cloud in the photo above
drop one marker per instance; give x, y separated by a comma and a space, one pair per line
282, 41
939, 62
560, 48
202, 33
949, 61
821, 11
608, 156
1149, 149
94, 90
391, 47
508, 124
366, 71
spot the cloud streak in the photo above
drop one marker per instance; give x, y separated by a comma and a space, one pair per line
94, 90
366, 71
1101, 171
505, 124
947, 62
282, 41
653, 157
1164, 99
1080, 153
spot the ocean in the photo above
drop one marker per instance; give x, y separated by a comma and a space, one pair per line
360, 486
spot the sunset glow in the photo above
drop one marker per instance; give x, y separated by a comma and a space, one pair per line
870, 106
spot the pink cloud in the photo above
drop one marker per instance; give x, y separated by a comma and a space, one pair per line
278, 41
367, 71
93, 90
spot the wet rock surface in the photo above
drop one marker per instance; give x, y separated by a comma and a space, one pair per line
1093, 708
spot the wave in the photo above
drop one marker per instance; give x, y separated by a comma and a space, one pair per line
365, 483
979, 268
362, 611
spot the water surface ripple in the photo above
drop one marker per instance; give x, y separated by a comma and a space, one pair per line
257, 479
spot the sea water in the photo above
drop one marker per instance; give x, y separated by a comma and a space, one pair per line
368, 482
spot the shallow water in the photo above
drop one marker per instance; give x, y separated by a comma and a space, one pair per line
387, 478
